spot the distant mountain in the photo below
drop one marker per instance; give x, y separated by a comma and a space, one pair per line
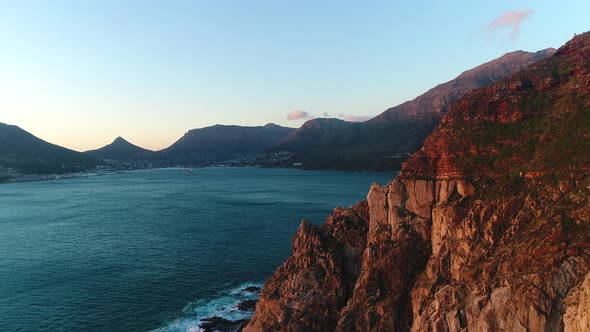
121, 150
387, 140
25, 153
220, 142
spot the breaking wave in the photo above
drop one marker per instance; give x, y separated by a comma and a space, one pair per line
223, 305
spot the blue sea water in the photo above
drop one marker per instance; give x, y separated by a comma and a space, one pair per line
156, 249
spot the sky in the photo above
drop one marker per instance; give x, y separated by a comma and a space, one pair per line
80, 73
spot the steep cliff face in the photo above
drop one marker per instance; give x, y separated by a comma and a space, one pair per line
505, 263
487, 227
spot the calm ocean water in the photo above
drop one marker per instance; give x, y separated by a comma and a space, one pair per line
157, 249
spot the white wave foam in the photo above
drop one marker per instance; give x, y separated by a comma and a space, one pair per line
224, 305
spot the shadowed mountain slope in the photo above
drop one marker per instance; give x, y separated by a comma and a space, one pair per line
221, 142
23, 152
121, 150
385, 141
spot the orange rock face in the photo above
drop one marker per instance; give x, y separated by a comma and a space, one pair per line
308, 291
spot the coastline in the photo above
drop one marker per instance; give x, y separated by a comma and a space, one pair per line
8, 179
53, 177
228, 310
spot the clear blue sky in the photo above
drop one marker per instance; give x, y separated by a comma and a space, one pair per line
80, 73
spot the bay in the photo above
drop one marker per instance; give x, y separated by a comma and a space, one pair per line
154, 249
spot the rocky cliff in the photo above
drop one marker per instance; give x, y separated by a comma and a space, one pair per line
487, 227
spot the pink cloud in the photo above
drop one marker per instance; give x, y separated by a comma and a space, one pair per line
298, 115
512, 19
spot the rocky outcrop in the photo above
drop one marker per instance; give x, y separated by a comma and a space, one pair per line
397, 249
503, 264
487, 227
218, 324
308, 291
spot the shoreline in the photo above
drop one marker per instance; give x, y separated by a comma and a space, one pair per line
228, 310
21, 178
54, 177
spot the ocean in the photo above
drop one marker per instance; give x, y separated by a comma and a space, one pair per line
156, 249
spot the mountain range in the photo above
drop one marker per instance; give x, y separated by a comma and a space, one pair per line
383, 142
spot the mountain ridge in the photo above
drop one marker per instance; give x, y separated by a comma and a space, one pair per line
386, 140
479, 76
23, 152
229, 137
121, 150
223, 142
318, 143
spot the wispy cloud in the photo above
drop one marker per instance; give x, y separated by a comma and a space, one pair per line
510, 20
328, 115
349, 118
303, 115
354, 118
298, 115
